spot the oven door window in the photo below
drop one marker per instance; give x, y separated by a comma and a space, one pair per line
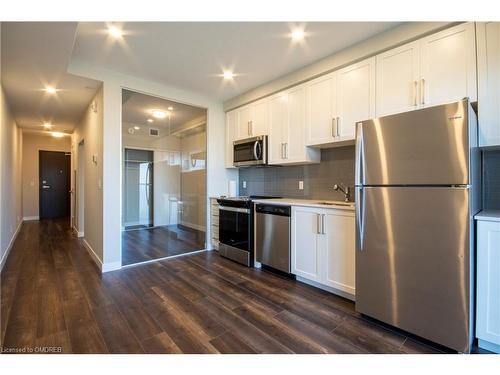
233, 228
245, 151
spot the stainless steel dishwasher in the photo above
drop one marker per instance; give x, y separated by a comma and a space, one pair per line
272, 236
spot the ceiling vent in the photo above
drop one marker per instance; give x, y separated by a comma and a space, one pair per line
154, 132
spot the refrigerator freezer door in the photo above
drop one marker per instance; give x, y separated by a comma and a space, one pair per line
412, 260
424, 147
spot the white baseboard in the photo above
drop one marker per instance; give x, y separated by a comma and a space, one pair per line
31, 218
104, 267
200, 228
9, 247
78, 234
113, 266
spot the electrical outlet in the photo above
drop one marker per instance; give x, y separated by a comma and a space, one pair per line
301, 185
244, 184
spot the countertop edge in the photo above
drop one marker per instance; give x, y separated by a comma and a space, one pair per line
488, 215
303, 203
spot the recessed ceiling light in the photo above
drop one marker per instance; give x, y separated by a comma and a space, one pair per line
47, 125
170, 108
50, 90
158, 114
298, 35
228, 75
57, 134
115, 32
137, 128
150, 120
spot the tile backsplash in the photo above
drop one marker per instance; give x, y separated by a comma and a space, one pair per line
491, 179
337, 166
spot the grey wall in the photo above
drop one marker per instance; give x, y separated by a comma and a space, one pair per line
491, 179
337, 165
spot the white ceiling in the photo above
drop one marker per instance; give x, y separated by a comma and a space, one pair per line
187, 55
36, 54
136, 110
193, 55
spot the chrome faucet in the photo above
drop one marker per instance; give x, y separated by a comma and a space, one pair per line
344, 189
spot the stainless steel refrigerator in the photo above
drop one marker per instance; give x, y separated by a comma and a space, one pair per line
417, 189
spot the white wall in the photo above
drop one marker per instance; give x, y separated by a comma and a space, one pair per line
217, 175
90, 130
33, 142
10, 180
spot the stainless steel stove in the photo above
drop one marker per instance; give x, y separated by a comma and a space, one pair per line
236, 228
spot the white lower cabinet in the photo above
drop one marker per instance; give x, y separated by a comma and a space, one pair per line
488, 285
323, 247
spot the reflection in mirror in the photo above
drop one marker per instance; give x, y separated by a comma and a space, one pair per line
164, 178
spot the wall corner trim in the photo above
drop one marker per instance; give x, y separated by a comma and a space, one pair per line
9, 247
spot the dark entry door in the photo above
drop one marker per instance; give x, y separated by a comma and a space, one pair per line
54, 173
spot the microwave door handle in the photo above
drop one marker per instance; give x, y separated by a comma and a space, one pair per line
255, 152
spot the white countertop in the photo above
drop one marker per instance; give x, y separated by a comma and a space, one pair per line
488, 215
307, 203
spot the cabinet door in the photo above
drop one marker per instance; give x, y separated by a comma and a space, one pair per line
231, 122
277, 126
488, 282
295, 146
243, 125
398, 72
448, 66
306, 226
339, 250
260, 118
319, 110
488, 54
355, 97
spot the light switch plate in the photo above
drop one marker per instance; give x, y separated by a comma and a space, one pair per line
301, 185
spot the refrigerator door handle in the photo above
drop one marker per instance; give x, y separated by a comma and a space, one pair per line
359, 162
360, 211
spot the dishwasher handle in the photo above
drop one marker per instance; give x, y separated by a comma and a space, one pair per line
273, 209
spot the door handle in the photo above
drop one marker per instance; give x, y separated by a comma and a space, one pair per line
415, 87
46, 187
422, 88
318, 225
360, 210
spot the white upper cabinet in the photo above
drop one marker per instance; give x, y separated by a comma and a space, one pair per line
260, 118
336, 101
398, 73
355, 97
448, 66
243, 122
287, 117
320, 110
488, 54
252, 120
231, 122
278, 120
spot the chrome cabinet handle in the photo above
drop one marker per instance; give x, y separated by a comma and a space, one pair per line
248, 127
338, 126
323, 230
286, 150
423, 90
333, 127
251, 127
415, 87
318, 225
282, 154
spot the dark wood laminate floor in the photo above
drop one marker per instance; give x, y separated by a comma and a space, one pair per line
159, 242
53, 296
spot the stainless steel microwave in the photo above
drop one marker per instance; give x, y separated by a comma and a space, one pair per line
250, 151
